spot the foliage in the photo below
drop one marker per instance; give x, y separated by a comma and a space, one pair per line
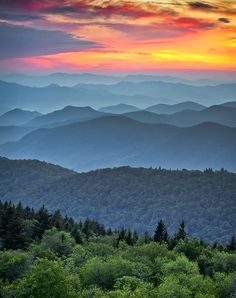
107, 264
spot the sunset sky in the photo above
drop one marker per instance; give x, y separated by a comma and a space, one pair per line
117, 36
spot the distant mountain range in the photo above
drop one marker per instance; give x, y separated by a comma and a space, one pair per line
54, 97
113, 141
171, 109
218, 114
71, 79
131, 197
141, 94
171, 92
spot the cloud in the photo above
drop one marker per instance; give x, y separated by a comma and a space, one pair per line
21, 41
18, 16
201, 5
56, 9
193, 24
224, 20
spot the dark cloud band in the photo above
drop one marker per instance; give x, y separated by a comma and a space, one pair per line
21, 41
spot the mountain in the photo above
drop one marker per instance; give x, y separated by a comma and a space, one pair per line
219, 114
62, 79
171, 109
71, 79
54, 97
230, 104
171, 92
13, 133
132, 197
17, 117
147, 117
119, 109
3, 110
114, 141
65, 116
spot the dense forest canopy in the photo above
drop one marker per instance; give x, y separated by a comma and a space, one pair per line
135, 198
44, 254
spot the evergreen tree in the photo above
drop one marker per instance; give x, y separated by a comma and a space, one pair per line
129, 238
232, 244
76, 233
11, 229
181, 234
161, 234
135, 236
121, 235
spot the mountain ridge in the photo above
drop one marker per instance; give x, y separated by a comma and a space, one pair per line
117, 141
205, 200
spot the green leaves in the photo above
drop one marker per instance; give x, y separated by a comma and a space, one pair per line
46, 279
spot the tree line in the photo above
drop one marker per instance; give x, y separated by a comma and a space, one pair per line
45, 254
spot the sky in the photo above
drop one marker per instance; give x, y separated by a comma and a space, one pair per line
117, 36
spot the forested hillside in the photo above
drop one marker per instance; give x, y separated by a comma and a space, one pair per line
131, 197
47, 255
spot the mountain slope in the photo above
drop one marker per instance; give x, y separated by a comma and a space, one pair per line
13, 133
17, 117
102, 142
171, 109
136, 198
230, 104
113, 141
119, 109
67, 114
218, 114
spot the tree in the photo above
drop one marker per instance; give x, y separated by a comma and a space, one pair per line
46, 279
13, 264
129, 238
181, 234
11, 229
59, 242
232, 244
161, 234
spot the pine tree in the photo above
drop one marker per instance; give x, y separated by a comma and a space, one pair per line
121, 236
76, 233
12, 229
161, 234
181, 234
129, 238
232, 244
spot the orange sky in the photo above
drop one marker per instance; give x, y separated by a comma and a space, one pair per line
118, 35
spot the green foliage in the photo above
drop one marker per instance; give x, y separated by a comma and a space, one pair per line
180, 266
45, 279
103, 273
59, 242
13, 264
191, 248
171, 287
223, 262
109, 264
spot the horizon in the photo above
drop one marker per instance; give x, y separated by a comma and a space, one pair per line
187, 74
